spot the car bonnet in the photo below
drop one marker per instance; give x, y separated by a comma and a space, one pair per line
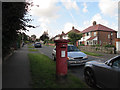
76, 54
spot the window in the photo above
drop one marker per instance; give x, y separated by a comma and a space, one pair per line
94, 33
87, 43
117, 63
80, 43
108, 36
111, 33
72, 48
91, 42
87, 34
100, 42
94, 42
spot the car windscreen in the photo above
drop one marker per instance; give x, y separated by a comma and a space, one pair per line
72, 48
37, 43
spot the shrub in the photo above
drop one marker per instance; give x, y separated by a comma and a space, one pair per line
81, 45
97, 45
70, 43
109, 45
51, 42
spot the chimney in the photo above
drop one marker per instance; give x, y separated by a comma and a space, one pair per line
94, 23
73, 28
62, 32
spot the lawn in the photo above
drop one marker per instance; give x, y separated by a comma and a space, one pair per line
49, 46
30, 46
43, 71
92, 54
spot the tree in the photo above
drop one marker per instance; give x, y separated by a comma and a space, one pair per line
34, 36
44, 36
74, 37
14, 19
37, 40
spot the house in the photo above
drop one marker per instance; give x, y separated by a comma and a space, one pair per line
118, 41
98, 34
73, 30
65, 35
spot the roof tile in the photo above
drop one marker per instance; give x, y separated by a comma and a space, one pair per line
98, 27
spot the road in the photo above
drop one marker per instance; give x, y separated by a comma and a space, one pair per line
76, 70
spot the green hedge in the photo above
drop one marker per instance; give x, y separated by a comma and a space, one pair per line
109, 46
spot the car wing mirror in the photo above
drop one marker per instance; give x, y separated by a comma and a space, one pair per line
109, 64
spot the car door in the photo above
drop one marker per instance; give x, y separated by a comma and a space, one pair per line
108, 76
116, 68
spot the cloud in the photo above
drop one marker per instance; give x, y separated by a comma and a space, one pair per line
98, 18
68, 26
46, 12
108, 7
46, 9
85, 8
69, 4
44, 20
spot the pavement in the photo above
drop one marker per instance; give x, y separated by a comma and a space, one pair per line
16, 70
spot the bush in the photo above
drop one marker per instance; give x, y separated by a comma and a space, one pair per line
27, 42
81, 45
97, 45
109, 45
51, 42
70, 43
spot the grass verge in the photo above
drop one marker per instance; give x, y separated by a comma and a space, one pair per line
92, 54
43, 71
30, 46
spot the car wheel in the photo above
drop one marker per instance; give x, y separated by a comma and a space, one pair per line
89, 78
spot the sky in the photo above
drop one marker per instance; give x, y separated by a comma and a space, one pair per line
55, 16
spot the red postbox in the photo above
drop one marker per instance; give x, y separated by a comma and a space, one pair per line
61, 58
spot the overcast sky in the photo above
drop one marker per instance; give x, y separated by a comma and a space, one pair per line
56, 16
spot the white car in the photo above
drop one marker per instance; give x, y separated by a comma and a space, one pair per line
75, 56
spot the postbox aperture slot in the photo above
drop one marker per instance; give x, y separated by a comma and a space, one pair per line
63, 47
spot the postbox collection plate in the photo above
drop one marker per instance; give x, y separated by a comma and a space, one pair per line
62, 53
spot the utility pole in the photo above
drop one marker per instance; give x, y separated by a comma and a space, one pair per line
118, 33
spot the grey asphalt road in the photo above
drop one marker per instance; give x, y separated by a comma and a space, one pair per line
76, 70
47, 50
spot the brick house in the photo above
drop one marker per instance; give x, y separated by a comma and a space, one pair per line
65, 35
98, 34
73, 30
